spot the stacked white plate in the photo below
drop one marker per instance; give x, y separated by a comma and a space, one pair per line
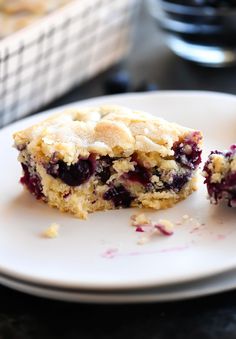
100, 259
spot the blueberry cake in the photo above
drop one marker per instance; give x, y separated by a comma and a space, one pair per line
16, 14
108, 157
220, 176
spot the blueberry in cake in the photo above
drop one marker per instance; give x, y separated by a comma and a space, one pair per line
220, 176
108, 157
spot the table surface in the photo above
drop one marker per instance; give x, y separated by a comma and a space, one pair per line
23, 316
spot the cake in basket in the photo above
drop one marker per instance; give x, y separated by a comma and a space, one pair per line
100, 158
17, 14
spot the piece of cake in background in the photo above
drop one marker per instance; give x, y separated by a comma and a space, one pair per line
17, 14
108, 157
220, 176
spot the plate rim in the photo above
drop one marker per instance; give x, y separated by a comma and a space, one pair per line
148, 295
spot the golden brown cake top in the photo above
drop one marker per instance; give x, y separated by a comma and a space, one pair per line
105, 130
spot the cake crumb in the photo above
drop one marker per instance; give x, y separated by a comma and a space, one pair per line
185, 216
139, 219
51, 232
165, 227
143, 240
150, 228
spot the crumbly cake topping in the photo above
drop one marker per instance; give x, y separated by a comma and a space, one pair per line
105, 130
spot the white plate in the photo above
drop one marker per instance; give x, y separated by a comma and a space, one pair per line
220, 283
102, 252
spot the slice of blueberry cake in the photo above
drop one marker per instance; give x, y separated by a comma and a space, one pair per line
108, 157
220, 176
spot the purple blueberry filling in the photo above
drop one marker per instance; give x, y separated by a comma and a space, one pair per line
178, 182
76, 174
103, 169
32, 181
119, 196
226, 188
72, 175
187, 153
140, 175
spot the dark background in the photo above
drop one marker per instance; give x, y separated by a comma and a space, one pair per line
23, 316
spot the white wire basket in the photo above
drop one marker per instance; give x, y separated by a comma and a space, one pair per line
51, 56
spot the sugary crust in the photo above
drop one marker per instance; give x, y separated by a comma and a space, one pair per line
105, 130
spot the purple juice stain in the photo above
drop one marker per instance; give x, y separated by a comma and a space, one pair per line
119, 196
32, 182
115, 253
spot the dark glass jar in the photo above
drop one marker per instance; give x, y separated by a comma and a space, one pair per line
203, 31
